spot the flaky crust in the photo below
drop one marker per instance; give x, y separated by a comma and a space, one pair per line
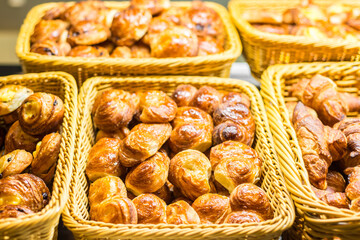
14, 211
121, 52
150, 209
16, 138
335, 181
184, 94
236, 97
291, 107
92, 11
11, 98
157, 25
49, 30
240, 217
155, 6
212, 208
118, 134
353, 188
209, 45
180, 212
88, 52
88, 33
51, 48
207, 99
14, 162
164, 193
140, 50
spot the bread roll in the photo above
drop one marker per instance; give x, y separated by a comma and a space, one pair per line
212, 208
150, 209
180, 212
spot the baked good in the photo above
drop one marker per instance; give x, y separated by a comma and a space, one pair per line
235, 97
14, 211
150, 209
88, 33
180, 212
263, 16
174, 14
16, 138
164, 193
118, 134
140, 50
240, 217
353, 188
10, 118
206, 98
121, 52
335, 181
51, 48
56, 12
11, 98
275, 29
353, 102
92, 11
291, 107
155, 6
157, 25
14, 162
184, 94
54, 30
209, 45
306, 13
88, 52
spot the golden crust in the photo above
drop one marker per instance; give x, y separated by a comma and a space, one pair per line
150, 209
180, 212
88, 51
49, 30
16, 138
11, 98
240, 217
157, 25
164, 193
118, 134
184, 94
209, 45
236, 97
14, 211
88, 33
51, 48
92, 11
212, 208
14, 162
155, 6
121, 52
140, 50
207, 99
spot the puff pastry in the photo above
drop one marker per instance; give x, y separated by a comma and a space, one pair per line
92, 11
212, 208
353, 188
184, 94
140, 50
14, 163
157, 25
164, 193
174, 14
235, 97
11, 98
88, 52
16, 138
155, 6
55, 12
49, 30
150, 209
291, 107
118, 134
51, 48
207, 99
240, 217
14, 211
180, 212
121, 52
209, 45
88, 33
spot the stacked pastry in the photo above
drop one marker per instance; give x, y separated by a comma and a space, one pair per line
184, 159
31, 148
329, 140
338, 21
144, 29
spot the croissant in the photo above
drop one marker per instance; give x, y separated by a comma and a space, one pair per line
103, 159
353, 102
235, 97
11, 98
353, 190
14, 211
192, 129
263, 16
16, 138
41, 113
150, 209
190, 171
92, 11
24, 189
291, 107
209, 45
114, 109
184, 94
164, 193
128, 20
335, 181
51, 48
240, 217
118, 134
140, 50
88, 33
14, 163
89, 52
11, 118
207, 99
55, 12
155, 6
211, 208
174, 14
49, 30
143, 141
118, 210
157, 25
121, 52
156, 107
180, 212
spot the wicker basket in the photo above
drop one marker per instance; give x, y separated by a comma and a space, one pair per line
315, 218
76, 216
42, 225
264, 49
83, 68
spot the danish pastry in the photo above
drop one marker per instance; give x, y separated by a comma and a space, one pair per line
88, 33
184, 94
11, 98
14, 163
155, 6
14, 211
207, 99
88, 52
16, 138
180, 212
150, 209
118, 134
212, 208
49, 30
51, 48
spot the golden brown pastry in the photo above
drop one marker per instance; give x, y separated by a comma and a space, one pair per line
180, 212
250, 197
92, 11
88, 33
130, 25
209, 45
49, 30
174, 42
118, 134
353, 188
24, 189
157, 25
335, 181
174, 14
51, 48
184, 94
108, 45
240, 217
235, 163
11, 98
14, 211
353, 102
190, 171
150, 175
276, 29
150, 209
164, 193
143, 141
118, 210
12, 117
306, 13
235, 97
156, 107
140, 50
228, 131
121, 52
207, 99
308, 31
103, 159
88, 52
41, 113
16, 138
192, 129
155, 6
338, 13
114, 109
46, 156
14, 163
263, 16
291, 106
211, 208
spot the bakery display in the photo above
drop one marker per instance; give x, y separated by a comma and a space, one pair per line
161, 30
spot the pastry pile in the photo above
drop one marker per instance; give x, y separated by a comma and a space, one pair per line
144, 29
31, 149
184, 159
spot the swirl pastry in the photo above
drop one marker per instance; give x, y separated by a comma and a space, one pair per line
121, 52
12, 117
118, 134
52, 30
11, 98
155, 6
240, 217
16, 138
92, 11
212, 208
157, 25
143, 141
164, 193
88, 33
24, 189
150, 209
88, 52
14, 163
14, 211
184, 94
51, 48
56, 12
180, 212
207, 99
114, 109
209, 45
190, 171
235, 97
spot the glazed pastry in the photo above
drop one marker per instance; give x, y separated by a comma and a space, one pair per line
16, 138
306, 13
207, 99
211, 208
108, 45
192, 128
121, 52
103, 159
41, 113
114, 109
51, 48
56, 12
150, 209
335, 181
150, 175
190, 172
217, 187
164, 193
143, 141
14, 163
46, 156
88, 33
156, 107
291, 106
308, 31
11, 117
338, 13
180, 212
235, 97
184, 94
240, 217
130, 25
118, 134
11, 98
228, 131
49, 30
92, 11
263, 16
174, 14
14, 211
250, 197
24, 189
88, 52
157, 25
118, 210
140, 50
353, 190
275, 29
209, 45
353, 102
155, 6
174, 42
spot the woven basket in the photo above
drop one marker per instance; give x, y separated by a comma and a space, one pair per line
315, 218
264, 49
42, 225
83, 68
76, 216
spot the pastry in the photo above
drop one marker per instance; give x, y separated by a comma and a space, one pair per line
212, 208
155, 6
306, 13
184, 94
174, 14
353, 188
140, 50
291, 106
14, 211
118, 134
150, 209
164, 193
180, 212
209, 45
92, 11
88, 52
240, 217
88, 33
16, 138
275, 29
51, 48
157, 25
11, 98
49, 30
207, 99
121, 52
14, 162
263, 16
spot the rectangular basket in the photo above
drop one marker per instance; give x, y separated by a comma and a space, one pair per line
264, 49
315, 218
76, 216
43, 224
83, 68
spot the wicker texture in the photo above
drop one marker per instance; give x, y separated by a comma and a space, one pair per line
264, 49
315, 218
76, 216
83, 68
42, 225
